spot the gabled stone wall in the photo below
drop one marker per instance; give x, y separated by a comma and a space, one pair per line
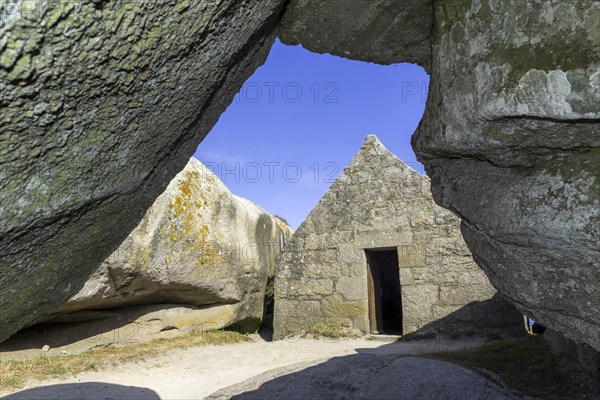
379, 202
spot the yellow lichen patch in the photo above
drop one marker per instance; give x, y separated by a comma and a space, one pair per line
210, 179
284, 227
336, 307
140, 259
189, 236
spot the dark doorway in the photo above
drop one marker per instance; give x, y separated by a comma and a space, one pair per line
385, 297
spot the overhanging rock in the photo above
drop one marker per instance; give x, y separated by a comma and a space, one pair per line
103, 102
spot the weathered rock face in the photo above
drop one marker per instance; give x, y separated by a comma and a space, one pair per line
103, 102
377, 203
385, 32
197, 245
511, 140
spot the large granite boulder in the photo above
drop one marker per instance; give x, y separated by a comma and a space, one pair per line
103, 102
511, 140
197, 245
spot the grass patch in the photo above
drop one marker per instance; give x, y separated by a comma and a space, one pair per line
329, 330
15, 373
527, 365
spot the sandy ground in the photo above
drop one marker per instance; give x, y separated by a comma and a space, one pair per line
300, 369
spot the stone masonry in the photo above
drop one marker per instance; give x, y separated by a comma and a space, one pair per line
379, 202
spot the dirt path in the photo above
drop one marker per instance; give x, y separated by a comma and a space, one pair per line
311, 367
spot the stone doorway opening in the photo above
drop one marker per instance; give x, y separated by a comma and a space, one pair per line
385, 295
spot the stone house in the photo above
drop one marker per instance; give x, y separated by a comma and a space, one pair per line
379, 255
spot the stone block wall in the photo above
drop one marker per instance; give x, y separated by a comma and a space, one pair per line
378, 202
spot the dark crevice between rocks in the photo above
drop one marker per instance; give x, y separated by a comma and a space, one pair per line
169, 328
99, 4
113, 325
525, 156
266, 329
545, 119
112, 310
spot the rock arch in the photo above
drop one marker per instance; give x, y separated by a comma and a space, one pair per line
104, 101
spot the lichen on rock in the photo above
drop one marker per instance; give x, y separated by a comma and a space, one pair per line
189, 249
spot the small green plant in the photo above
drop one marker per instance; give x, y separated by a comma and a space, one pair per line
13, 382
91, 366
329, 330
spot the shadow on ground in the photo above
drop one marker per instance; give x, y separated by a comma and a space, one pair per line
393, 371
369, 376
87, 391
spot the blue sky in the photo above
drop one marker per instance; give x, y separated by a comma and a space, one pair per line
300, 119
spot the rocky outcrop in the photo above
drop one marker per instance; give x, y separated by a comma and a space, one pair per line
200, 259
385, 32
379, 203
198, 245
103, 103
511, 140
